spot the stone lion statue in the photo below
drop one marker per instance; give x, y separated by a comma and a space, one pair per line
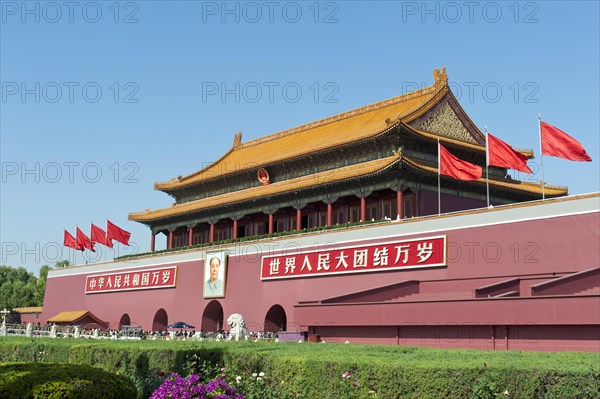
238, 327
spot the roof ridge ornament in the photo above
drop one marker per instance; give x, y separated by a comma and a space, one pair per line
393, 121
398, 153
440, 78
237, 140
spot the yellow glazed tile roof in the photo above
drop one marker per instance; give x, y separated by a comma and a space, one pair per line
31, 309
550, 190
321, 178
445, 139
477, 147
358, 124
68, 317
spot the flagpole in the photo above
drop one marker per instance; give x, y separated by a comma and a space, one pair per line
487, 162
541, 156
439, 172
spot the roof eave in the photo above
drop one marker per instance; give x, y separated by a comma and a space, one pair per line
557, 190
148, 219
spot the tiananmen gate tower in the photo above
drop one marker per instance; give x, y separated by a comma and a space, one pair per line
331, 230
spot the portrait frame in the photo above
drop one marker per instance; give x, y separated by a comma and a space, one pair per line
216, 288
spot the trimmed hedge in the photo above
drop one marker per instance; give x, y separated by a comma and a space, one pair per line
61, 381
315, 370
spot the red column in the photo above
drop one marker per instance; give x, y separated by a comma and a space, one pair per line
399, 206
211, 233
170, 239
363, 208
152, 241
270, 223
329, 213
235, 229
190, 235
298, 219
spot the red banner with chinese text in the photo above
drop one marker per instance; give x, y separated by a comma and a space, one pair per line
164, 277
421, 252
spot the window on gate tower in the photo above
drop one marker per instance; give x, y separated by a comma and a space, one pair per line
408, 207
322, 218
389, 209
354, 214
372, 212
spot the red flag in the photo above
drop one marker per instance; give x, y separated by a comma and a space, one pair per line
557, 143
84, 241
501, 154
99, 236
69, 241
451, 166
114, 232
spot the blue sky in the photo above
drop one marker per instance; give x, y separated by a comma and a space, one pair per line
99, 100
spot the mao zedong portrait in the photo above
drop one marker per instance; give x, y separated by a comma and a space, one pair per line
214, 286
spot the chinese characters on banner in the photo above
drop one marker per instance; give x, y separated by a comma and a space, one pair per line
421, 252
164, 277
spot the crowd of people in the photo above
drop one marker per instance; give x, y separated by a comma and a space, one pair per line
135, 332
202, 335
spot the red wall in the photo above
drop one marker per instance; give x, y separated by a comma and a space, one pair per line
29, 318
478, 256
428, 203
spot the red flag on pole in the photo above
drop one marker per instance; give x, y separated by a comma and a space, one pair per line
457, 168
557, 143
84, 241
501, 154
99, 236
69, 241
114, 232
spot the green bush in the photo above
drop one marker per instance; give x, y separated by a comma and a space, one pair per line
293, 370
61, 381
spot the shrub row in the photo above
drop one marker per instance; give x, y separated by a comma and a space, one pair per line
317, 370
61, 381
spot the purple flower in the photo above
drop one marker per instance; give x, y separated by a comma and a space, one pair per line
177, 387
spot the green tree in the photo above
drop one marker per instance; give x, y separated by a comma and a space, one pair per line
17, 287
40, 285
20, 288
62, 263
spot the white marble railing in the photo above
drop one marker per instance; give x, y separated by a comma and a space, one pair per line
18, 330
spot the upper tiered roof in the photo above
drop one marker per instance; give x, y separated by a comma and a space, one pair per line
347, 127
